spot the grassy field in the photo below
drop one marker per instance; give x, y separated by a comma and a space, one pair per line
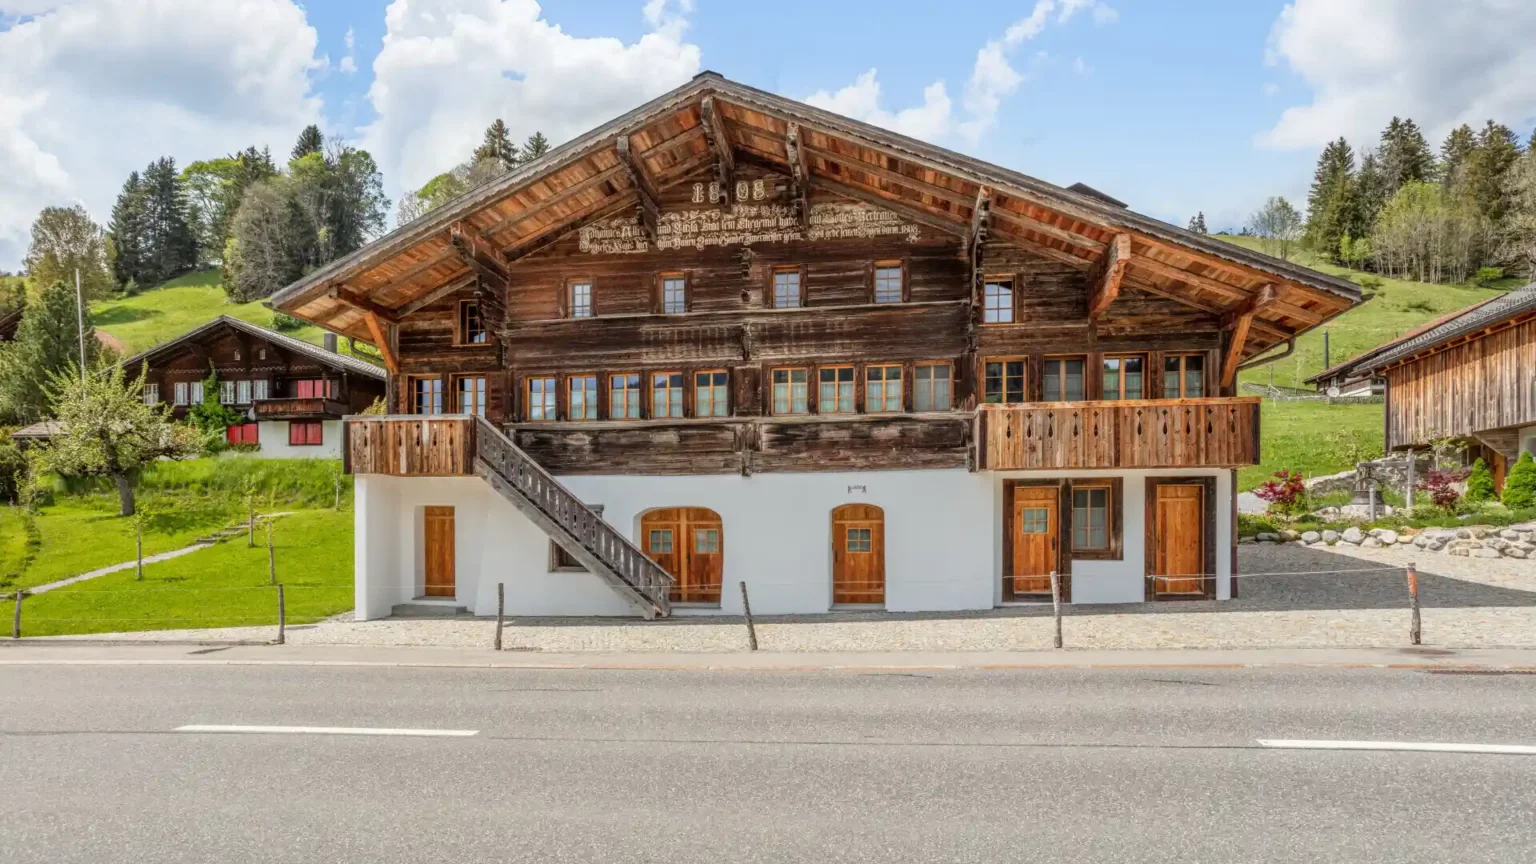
1314, 438
163, 313
225, 586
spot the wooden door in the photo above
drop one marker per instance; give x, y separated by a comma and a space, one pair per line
439, 552
1180, 538
1036, 538
858, 554
689, 543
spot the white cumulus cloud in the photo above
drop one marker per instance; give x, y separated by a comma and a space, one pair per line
861, 100
93, 89
348, 64
1440, 63
450, 67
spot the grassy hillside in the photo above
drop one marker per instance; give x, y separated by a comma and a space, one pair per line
163, 313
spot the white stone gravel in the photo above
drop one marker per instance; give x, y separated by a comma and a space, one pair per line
1466, 603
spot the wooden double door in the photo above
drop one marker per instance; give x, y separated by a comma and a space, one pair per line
689, 543
858, 555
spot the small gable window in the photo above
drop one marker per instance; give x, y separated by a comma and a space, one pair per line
471, 324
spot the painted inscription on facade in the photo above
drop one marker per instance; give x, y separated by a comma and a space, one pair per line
745, 224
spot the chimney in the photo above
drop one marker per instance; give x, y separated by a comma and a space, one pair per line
330, 342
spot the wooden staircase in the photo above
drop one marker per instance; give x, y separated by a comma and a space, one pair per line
462, 445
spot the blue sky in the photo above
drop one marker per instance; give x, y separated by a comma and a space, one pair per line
1171, 105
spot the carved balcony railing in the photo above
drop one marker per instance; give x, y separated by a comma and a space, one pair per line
411, 446
310, 408
1174, 433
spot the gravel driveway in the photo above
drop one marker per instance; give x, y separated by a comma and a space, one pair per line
1466, 603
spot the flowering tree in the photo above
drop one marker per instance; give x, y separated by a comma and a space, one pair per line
1286, 494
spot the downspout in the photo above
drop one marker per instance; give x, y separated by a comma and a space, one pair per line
1290, 347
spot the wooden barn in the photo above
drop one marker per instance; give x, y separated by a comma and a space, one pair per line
292, 395
731, 338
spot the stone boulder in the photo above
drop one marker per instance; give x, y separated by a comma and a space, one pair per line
1405, 539
1387, 536
1513, 552
1330, 536
1372, 543
1311, 537
1486, 553
1352, 536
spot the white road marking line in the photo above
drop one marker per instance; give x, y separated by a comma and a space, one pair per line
1412, 746
332, 730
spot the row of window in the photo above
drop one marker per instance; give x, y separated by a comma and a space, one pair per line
301, 433
887, 285
469, 390
1064, 378
238, 392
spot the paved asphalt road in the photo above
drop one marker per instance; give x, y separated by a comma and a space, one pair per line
977, 766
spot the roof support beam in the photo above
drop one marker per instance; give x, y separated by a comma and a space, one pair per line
646, 209
437, 294
672, 143
1025, 223
900, 208
563, 195
799, 175
1106, 276
720, 145
555, 233
981, 219
1043, 250
853, 163
348, 297
1239, 321
481, 256
381, 342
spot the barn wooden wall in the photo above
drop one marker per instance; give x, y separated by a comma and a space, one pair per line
1487, 383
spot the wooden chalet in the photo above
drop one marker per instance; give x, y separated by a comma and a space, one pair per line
1470, 377
292, 394
729, 337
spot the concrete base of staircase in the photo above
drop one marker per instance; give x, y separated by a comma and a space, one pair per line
429, 607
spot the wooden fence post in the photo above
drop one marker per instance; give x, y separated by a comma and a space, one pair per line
16, 618
746, 613
271, 557
1414, 633
1056, 604
250, 542
282, 618
501, 605
138, 525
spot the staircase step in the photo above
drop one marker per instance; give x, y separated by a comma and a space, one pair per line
428, 609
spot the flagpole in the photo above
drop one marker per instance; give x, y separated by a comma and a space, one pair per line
80, 322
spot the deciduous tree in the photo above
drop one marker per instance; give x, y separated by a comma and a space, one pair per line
66, 240
1278, 224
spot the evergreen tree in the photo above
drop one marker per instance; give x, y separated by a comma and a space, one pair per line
1520, 485
1479, 483
128, 231
1197, 224
310, 141
1486, 166
1330, 203
498, 145
47, 342
169, 242
1458, 145
1370, 195
1405, 156
536, 145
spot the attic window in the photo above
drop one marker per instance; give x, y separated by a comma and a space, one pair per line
261, 353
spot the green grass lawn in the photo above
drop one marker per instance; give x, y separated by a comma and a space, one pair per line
1399, 306
1314, 438
161, 314
225, 586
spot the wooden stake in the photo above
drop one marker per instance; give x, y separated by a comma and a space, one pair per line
1415, 636
251, 525
746, 613
501, 605
1056, 604
16, 618
282, 618
271, 557
138, 525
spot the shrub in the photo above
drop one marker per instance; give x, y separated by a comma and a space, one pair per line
1441, 486
1479, 483
285, 323
1520, 485
1248, 525
1371, 283
1486, 276
1286, 494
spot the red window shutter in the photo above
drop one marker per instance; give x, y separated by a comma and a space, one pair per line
252, 433
316, 432
232, 434
295, 433
306, 390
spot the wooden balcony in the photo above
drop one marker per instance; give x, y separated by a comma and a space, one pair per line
300, 409
1174, 433
410, 446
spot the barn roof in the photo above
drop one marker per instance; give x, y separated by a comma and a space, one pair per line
710, 123
1518, 303
334, 359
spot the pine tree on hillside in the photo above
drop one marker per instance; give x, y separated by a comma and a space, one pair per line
310, 141
46, 342
498, 145
536, 145
1197, 224
1458, 146
1370, 195
1488, 163
1330, 203
170, 243
1405, 155
128, 230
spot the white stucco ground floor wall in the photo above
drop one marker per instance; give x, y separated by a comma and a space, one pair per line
273, 435
944, 540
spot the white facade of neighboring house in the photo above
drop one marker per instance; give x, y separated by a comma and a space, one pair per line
275, 434
944, 546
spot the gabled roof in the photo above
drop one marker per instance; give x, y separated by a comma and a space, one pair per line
709, 124
335, 360
1355, 367
1520, 302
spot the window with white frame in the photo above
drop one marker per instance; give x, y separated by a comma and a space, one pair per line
226, 392
242, 392
581, 299
999, 302
260, 390
196, 392
151, 394
674, 294
179, 392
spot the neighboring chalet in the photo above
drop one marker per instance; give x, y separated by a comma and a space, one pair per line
1470, 376
293, 394
731, 340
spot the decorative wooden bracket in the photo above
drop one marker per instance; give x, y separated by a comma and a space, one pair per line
975, 245
746, 341
348, 297
381, 341
645, 187
799, 175
492, 267
720, 144
1239, 321
1104, 280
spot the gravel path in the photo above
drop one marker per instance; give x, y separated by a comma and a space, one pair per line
117, 568
1466, 603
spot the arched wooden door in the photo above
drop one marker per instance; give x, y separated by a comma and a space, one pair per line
689, 543
858, 554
